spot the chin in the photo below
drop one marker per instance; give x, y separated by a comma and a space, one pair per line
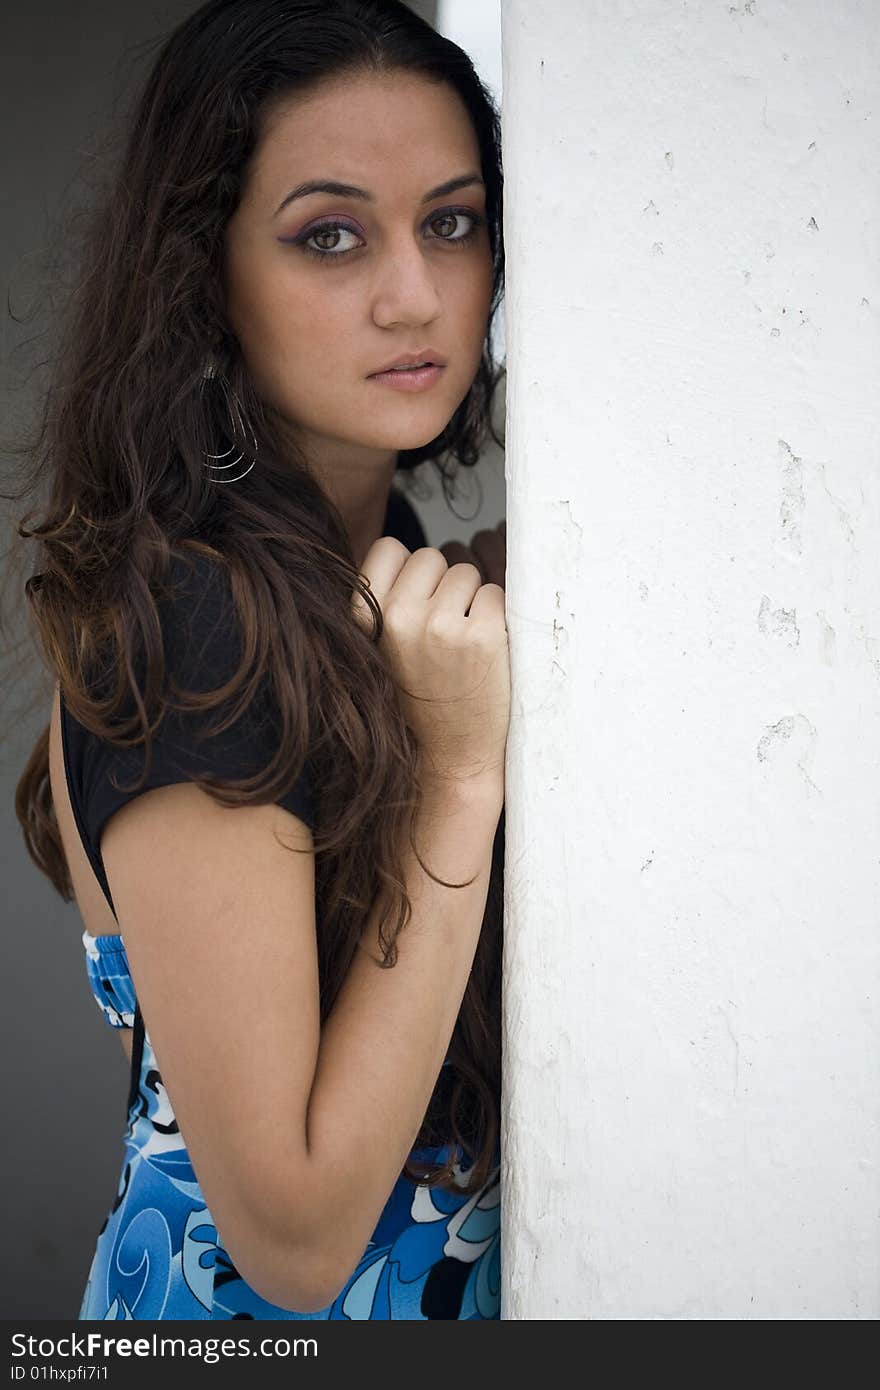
413, 437
417, 441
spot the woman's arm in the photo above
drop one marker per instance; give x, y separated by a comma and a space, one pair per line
297, 1134
384, 1042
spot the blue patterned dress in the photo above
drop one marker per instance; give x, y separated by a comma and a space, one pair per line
434, 1253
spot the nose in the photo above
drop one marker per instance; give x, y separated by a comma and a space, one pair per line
405, 289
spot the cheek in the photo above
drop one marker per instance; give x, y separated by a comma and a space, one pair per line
474, 311
478, 291
299, 364
282, 331
301, 322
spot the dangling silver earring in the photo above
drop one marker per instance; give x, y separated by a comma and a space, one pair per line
233, 406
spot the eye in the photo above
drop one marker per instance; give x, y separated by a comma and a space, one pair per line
337, 229
475, 220
327, 229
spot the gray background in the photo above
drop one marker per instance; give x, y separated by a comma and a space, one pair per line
66, 71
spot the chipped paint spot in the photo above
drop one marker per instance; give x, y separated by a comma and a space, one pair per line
827, 641
778, 622
842, 513
793, 501
781, 730
564, 502
872, 648
780, 733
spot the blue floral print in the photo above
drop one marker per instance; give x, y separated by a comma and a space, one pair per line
435, 1253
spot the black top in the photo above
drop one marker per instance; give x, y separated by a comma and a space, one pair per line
200, 654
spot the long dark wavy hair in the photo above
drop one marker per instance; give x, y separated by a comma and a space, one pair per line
114, 471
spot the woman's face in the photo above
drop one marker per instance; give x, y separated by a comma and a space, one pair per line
404, 272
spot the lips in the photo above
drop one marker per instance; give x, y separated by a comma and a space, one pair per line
408, 378
427, 356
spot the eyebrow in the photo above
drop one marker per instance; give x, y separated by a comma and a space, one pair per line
348, 190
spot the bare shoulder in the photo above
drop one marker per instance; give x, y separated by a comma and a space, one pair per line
217, 908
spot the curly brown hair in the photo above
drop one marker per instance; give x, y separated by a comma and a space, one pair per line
114, 470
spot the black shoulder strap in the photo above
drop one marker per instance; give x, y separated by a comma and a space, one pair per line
137, 1056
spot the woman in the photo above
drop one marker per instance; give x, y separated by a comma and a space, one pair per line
274, 775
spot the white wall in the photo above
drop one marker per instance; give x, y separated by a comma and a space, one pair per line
693, 808
475, 25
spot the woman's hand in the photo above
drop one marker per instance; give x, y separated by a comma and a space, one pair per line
487, 550
445, 639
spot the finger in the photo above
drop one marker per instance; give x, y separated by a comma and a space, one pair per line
459, 585
489, 603
382, 564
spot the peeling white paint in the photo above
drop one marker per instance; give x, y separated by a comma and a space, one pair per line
778, 622
691, 1120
